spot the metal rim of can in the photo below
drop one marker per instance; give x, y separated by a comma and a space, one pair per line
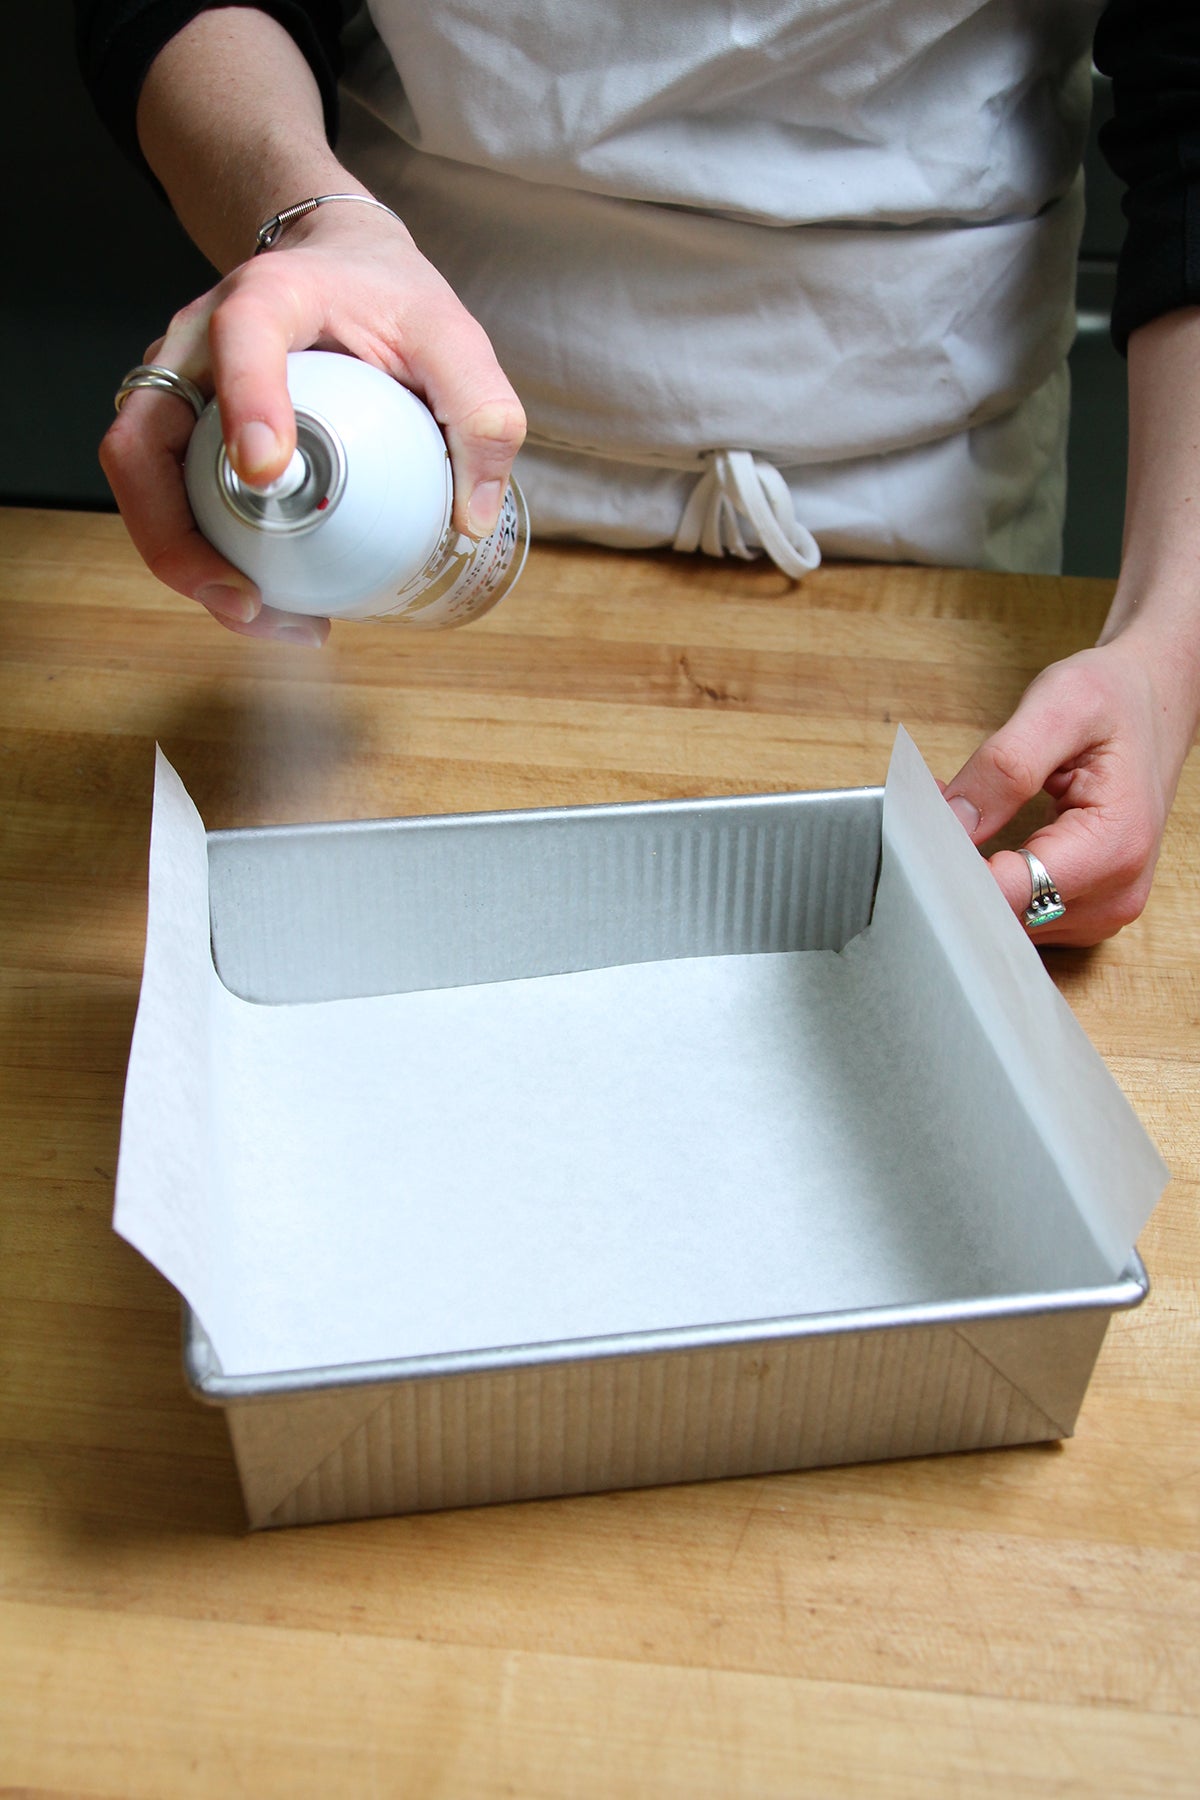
321, 444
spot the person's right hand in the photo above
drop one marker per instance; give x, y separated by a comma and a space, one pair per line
345, 277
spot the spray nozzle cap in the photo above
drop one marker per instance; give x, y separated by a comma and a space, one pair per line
290, 482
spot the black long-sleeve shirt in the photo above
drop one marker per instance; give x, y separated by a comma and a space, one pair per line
1150, 48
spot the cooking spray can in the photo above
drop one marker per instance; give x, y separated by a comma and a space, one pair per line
358, 525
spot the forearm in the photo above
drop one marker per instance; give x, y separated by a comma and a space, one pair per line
230, 120
1156, 608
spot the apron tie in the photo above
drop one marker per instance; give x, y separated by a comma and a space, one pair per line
736, 485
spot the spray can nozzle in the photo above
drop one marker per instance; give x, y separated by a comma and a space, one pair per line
291, 481
303, 495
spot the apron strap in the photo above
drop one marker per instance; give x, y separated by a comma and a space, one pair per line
735, 486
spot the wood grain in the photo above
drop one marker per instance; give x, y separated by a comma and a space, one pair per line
1017, 1622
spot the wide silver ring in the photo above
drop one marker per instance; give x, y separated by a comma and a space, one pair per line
154, 375
1045, 901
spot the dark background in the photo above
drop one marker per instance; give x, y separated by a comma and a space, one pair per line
96, 265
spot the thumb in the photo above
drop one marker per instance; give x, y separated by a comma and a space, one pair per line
482, 448
1005, 772
455, 368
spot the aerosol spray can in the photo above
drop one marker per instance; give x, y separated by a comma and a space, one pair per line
358, 525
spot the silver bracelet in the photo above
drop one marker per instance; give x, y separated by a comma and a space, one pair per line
271, 230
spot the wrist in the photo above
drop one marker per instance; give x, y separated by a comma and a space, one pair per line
278, 173
290, 218
1157, 600
1166, 653
231, 122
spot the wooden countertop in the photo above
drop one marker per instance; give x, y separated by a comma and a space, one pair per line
1011, 1623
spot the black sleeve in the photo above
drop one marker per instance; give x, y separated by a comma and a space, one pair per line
117, 40
1151, 49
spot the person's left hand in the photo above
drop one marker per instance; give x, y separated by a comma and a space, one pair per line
1105, 734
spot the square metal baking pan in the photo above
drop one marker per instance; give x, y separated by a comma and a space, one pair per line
394, 906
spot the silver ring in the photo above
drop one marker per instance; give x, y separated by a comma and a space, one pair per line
153, 375
1045, 901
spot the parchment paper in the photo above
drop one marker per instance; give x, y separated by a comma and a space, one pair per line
917, 1117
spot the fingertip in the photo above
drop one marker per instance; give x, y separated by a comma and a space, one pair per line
966, 812
483, 508
483, 446
308, 636
258, 453
229, 604
281, 628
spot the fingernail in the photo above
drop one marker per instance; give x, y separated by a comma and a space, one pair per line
231, 602
308, 635
256, 450
966, 814
484, 507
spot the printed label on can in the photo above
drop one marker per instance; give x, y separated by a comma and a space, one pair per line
464, 578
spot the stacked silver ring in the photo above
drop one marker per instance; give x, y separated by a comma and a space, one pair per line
1045, 901
166, 381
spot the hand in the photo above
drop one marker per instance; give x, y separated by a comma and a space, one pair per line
346, 278
1105, 734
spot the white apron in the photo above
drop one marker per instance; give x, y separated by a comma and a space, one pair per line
765, 273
